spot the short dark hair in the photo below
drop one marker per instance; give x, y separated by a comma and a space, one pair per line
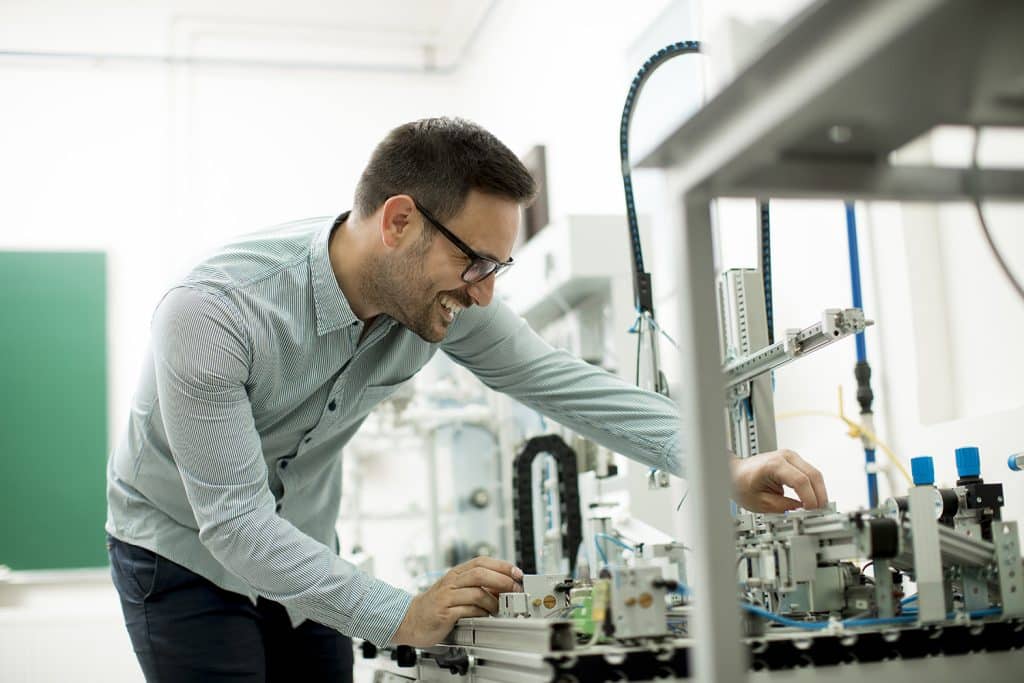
438, 161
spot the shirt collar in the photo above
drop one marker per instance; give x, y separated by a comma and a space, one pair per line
332, 309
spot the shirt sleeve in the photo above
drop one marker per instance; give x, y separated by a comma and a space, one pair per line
502, 350
202, 357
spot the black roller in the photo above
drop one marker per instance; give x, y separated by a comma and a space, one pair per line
885, 538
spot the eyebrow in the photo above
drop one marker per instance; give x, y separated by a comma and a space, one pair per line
431, 218
490, 256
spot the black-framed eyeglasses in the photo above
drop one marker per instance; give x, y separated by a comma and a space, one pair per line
480, 267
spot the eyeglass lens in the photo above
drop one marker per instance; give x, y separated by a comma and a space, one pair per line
478, 270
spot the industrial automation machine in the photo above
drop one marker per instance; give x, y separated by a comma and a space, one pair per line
819, 589
929, 584
808, 597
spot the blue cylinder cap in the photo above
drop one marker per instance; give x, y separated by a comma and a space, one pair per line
1016, 462
968, 462
923, 470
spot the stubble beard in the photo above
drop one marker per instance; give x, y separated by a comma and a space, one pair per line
398, 289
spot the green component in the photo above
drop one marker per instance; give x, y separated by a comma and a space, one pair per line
582, 615
601, 595
53, 409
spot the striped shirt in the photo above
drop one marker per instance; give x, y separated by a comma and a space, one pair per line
256, 378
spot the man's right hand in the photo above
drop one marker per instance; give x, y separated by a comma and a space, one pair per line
468, 590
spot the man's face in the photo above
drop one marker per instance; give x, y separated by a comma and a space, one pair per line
426, 286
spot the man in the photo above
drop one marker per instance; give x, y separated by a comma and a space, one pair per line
224, 492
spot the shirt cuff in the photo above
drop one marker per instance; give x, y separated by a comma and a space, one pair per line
380, 613
673, 455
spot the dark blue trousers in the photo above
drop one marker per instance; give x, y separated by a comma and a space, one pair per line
184, 628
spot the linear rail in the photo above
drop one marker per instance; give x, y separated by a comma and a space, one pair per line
836, 324
533, 635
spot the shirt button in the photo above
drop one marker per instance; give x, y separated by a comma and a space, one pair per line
283, 464
332, 405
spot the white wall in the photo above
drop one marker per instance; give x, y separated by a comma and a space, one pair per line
155, 165
937, 274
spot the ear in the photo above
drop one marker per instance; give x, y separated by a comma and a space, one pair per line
396, 220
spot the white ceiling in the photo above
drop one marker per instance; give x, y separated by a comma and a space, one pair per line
410, 34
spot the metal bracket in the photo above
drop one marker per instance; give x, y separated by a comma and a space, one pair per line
1011, 571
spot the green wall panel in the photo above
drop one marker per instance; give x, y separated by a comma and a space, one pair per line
53, 409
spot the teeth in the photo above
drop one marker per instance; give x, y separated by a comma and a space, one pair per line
450, 305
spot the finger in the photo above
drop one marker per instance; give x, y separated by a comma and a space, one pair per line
789, 475
482, 577
767, 502
492, 563
463, 611
813, 473
474, 596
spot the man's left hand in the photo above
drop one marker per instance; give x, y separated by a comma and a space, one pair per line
758, 482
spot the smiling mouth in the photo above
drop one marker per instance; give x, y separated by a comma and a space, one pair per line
449, 307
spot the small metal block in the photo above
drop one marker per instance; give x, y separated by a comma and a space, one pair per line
513, 605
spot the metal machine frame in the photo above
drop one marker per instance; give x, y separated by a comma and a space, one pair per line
816, 116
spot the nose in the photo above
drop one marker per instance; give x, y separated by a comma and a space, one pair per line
481, 292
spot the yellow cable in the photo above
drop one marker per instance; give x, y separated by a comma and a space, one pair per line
856, 431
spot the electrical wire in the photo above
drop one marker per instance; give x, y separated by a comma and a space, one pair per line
976, 614
862, 369
683, 499
855, 287
643, 297
562, 612
976, 197
867, 432
616, 541
598, 610
766, 267
908, 618
635, 329
593, 638
664, 333
641, 280
639, 327
856, 431
880, 621
785, 621
849, 623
